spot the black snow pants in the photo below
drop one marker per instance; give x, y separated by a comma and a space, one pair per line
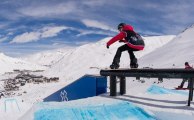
121, 49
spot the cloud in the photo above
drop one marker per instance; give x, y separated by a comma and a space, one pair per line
111, 13
93, 3
179, 14
10, 33
48, 10
1, 26
45, 32
150, 33
26, 37
52, 31
97, 24
101, 18
87, 32
3, 39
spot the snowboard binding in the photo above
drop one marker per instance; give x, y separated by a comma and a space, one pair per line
134, 63
114, 66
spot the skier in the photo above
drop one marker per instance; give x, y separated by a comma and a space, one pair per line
187, 66
133, 42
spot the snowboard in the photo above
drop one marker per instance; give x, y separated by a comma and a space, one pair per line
99, 68
108, 68
177, 88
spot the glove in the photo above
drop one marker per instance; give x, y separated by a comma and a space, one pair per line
121, 41
107, 46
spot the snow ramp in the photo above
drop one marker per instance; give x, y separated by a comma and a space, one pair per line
154, 89
117, 110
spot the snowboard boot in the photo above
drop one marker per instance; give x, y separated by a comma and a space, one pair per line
133, 63
180, 87
114, 66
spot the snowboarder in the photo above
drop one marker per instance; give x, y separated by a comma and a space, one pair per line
187, 66
133, 42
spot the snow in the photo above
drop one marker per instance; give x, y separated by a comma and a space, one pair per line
160, 90
12, 108
9, 64
47, 58
51, 57
177, 52
70, 64
89, 55
112, 110
158, 105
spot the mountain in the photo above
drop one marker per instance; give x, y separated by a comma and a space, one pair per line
163, 51
8, 64
51, 57
173, 54
48, 58
91, 57
71, 63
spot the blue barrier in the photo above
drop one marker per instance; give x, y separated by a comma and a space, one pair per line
86, 86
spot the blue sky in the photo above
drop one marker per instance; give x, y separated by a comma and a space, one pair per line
28, 26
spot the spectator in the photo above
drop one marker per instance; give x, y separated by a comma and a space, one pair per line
187, 66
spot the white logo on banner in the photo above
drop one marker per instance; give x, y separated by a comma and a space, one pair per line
63, 95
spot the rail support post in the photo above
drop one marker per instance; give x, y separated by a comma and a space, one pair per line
190, 90
113, 86
192, 85
122, 85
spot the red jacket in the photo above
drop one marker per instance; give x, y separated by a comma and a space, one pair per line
122, 36
188, 67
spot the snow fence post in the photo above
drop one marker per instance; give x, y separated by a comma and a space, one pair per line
113, 86
122, 85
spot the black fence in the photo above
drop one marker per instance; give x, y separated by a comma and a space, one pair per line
151, 73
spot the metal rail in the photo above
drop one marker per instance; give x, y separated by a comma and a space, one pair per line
151, 73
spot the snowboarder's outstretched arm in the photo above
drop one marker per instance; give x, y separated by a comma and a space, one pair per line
120, 36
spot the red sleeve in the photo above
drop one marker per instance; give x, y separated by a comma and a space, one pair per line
120, 36
188, 67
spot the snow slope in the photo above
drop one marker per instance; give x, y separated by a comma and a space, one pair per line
51, 57
96, 55
84, 59
8, 64
108, 109
87, 59
48, 58
164, 106
176, 52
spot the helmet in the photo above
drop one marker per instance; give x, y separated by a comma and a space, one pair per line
121, 25
186, 63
